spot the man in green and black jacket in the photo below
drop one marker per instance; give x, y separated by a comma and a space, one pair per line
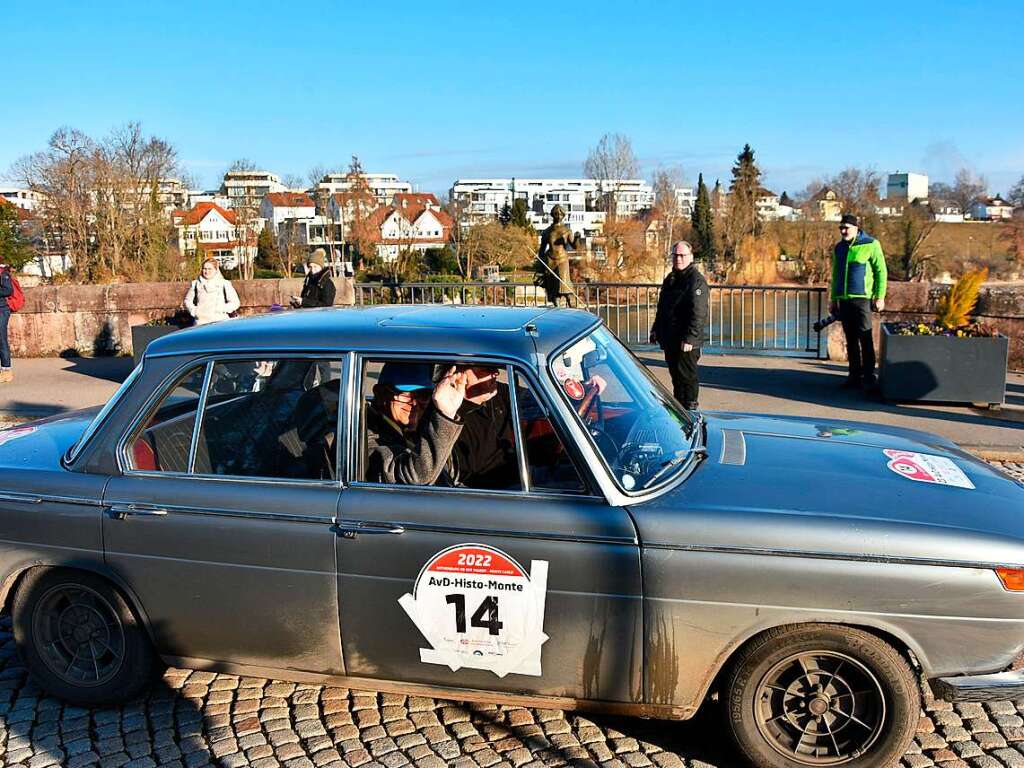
858, 286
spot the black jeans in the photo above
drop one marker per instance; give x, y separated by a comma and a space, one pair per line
5, 348
855, 315
682, 367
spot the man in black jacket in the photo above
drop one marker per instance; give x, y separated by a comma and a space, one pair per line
318, 288
680, 325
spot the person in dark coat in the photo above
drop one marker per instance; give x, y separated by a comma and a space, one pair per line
318, 289
412, 425
680, 324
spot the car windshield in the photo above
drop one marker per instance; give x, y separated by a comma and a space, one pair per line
641, 431
79, 444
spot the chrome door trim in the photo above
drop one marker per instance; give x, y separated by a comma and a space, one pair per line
824, 555
144, 508
517, 429
502, 533
41, 498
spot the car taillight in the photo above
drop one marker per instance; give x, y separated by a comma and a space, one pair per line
1012, 578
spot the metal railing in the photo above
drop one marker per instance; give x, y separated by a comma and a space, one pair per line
752, 319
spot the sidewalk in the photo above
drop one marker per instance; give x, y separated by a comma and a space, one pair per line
774, 385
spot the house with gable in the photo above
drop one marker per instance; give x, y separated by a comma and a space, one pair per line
413, 221
207, 229
277, 207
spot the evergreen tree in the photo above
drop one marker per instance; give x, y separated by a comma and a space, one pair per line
703, 223
742, 219
15, 249
520, 215
505, 214
266, 249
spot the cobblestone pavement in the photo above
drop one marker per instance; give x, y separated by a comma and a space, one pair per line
195, 719
201, 719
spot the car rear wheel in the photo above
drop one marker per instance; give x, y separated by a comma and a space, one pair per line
821, 695
79, 639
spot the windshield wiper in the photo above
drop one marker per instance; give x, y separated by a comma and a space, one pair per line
674, 462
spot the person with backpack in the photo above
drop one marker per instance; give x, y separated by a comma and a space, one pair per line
210, 297
11, 300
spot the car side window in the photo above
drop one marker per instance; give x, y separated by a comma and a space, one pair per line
407, 440
550, 465
271, 419
163, 443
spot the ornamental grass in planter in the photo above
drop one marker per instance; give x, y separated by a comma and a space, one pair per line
951, 359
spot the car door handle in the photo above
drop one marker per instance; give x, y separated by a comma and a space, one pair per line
120, 512
350, 528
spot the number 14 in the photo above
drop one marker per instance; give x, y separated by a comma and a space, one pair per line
489, 606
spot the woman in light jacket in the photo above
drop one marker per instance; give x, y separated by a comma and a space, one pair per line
210, 297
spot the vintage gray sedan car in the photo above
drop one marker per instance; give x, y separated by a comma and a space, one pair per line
571, 537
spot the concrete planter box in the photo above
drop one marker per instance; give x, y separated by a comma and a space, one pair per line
943, 368
142, 335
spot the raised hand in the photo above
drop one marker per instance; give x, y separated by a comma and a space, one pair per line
449, 392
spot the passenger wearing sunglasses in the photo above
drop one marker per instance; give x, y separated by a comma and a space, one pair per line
412, 424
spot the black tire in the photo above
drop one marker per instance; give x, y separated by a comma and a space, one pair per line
821, 694
79, 638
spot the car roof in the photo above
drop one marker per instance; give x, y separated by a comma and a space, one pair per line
447, 328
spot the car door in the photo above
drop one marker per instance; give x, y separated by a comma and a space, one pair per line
222, 526
531, 590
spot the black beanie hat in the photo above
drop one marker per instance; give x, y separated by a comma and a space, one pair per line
849, 218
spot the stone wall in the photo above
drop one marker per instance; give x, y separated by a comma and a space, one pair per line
999, 304
97, 319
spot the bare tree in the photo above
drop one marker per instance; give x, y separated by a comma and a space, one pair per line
102, 204
856, 188
293, 181
967, 188
611, 162
666, 201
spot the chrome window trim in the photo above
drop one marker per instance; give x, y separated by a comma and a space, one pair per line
197, 426
355, 461
517, 429
519, 494
75, 451
210, 360
508, 533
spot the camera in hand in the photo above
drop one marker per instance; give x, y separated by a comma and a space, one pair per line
824, 322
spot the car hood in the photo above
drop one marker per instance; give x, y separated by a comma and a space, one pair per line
41, 444
842, 488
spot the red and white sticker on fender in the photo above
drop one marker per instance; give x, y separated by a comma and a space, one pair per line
478, 608
926, 468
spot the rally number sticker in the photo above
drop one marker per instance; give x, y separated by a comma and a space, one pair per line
478, 608
926, 468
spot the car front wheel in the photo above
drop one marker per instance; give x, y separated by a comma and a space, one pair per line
821, 695
79, 639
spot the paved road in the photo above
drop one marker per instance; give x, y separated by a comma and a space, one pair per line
199, 719
202, 719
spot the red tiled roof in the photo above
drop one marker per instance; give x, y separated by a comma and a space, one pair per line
290, 200
415, 199
199, 211
23, 215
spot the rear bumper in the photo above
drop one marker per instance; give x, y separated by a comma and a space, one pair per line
996, 687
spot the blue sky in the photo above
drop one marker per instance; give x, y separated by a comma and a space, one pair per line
434, 91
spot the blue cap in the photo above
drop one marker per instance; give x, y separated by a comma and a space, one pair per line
407, 377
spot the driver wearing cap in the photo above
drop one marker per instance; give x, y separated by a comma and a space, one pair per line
412, 424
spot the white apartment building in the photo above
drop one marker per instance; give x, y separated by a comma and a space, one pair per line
250, 187
383, 185
686, 200
277, 207
907, 186
26, 199
484, 198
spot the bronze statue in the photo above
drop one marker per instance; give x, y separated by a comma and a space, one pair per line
554, 261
